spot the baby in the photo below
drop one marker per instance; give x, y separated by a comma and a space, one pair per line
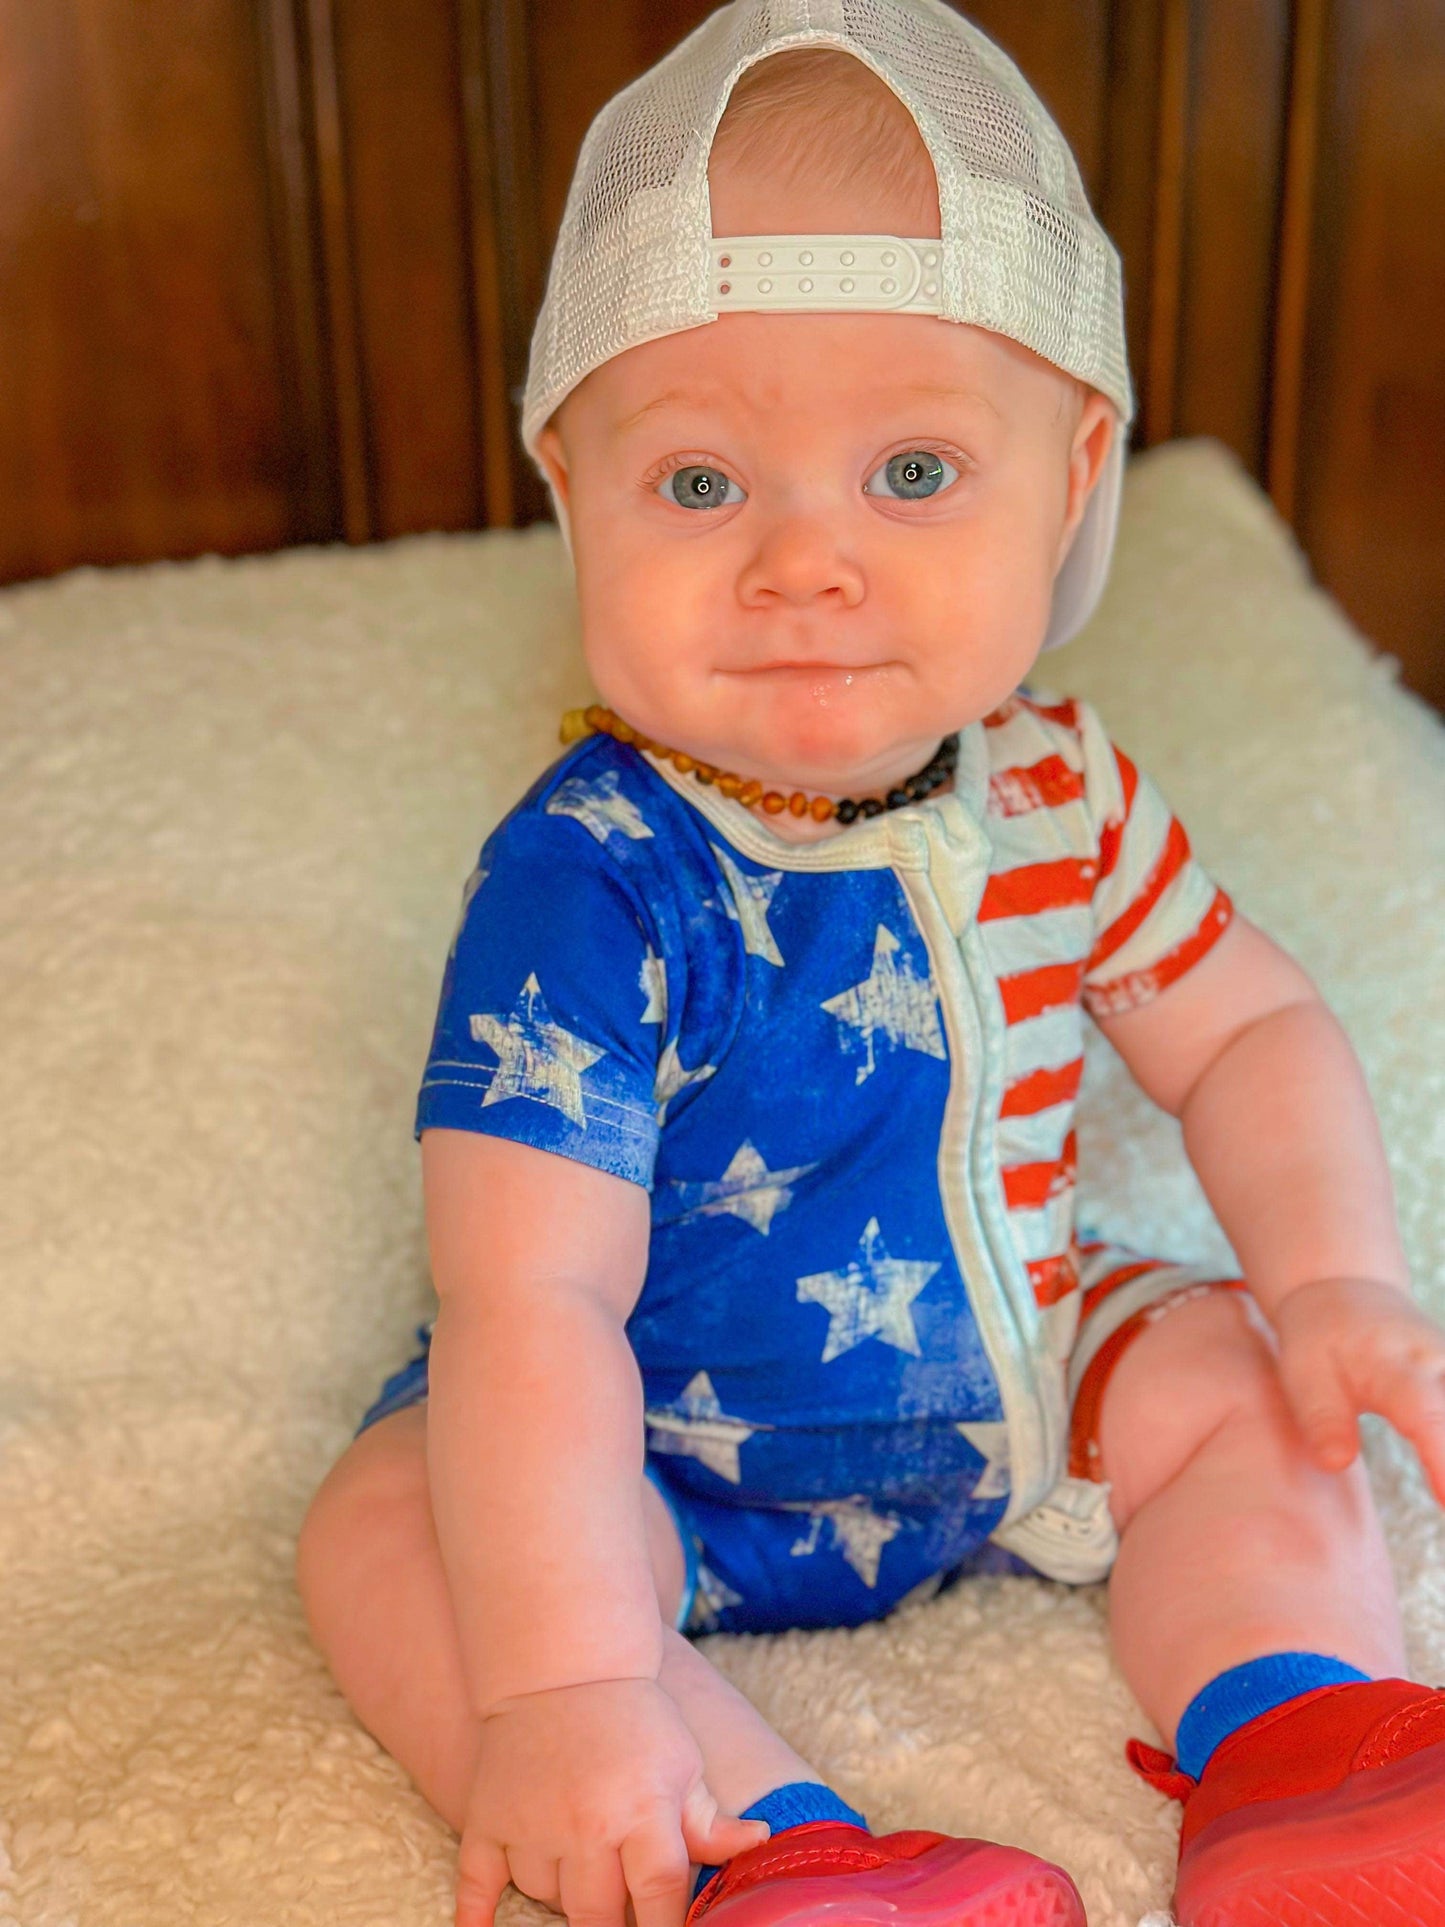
747, 1131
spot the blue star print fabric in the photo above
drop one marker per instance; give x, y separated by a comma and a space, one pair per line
764, 1053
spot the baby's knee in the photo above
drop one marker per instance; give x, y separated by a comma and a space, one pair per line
376, 1490
1203, 1370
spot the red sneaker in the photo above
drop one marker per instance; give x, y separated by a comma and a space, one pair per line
1326, 1812
826, 1871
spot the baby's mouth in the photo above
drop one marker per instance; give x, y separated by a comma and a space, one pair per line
823, 671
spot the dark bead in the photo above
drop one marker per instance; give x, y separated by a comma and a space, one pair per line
870, 806
897, 798
918, 786
847, 810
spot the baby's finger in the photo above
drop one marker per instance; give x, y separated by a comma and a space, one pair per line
655, 1866
1418, 1411
592, 1890
711, 1836
1321, 1406
535, 1874
482, 1878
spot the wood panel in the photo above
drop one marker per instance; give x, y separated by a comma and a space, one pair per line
1370, 503
395, 165
146, 402
1238, 60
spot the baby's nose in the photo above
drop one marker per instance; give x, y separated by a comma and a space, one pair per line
799, 559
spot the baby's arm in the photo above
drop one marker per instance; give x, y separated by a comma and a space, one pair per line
1279, 1126
588, 1786
534, 1430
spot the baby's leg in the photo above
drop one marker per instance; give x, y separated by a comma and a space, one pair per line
370, 1575
1234, 1543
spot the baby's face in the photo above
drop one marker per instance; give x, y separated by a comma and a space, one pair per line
764, 584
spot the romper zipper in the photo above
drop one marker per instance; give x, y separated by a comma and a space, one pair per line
1063, 1526
1033, 1439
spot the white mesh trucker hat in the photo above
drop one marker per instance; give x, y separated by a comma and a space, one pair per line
1020, 253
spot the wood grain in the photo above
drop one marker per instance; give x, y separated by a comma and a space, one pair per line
1238, 72
402, 228
1370, 489
144, 409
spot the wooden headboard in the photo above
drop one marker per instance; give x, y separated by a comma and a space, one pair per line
268, 268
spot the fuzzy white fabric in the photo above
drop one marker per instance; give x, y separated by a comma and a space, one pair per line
239, 800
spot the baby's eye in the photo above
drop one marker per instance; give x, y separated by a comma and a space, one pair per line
700, 488
911, 476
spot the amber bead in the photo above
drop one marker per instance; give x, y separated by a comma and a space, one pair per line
750, 792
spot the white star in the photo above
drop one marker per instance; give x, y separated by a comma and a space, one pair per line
748, 1190
871, 1299
671, 1078
599, 806
747, 903
538, 1058
469, 889
652, 982
989, 1437
859, 1533
710, 1599
695, 1426
891, 998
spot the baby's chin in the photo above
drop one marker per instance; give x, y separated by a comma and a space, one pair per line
854, 746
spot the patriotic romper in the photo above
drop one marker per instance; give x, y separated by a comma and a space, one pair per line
872, 1342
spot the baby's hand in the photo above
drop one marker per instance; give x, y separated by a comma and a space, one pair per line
1351, 1345
586, 1795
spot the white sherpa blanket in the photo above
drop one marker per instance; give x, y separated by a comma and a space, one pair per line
237, 806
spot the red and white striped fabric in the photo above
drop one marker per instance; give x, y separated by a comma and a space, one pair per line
1094, 902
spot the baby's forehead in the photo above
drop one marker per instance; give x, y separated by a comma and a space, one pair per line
774, 370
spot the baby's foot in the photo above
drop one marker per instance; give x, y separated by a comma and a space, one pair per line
1327, 1812
824, 1871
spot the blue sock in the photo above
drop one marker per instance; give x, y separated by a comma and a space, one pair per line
792, 1805
1234, 1698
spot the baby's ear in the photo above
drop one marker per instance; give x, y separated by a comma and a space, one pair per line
1093, 437
553, 457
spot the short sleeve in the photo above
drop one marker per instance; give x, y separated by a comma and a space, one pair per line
546, 1029
1157, 911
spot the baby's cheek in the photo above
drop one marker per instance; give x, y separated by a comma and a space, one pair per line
979, 635
641, 658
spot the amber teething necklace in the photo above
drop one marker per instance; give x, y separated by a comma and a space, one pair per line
577, 723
